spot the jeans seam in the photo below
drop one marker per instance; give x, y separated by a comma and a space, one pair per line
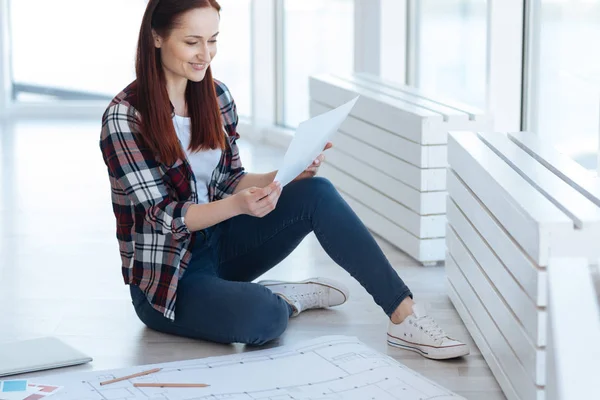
321, 237
324, 241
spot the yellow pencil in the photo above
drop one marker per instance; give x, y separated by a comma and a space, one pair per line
124, 378
171, 385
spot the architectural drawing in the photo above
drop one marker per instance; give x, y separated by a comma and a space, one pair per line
327, 368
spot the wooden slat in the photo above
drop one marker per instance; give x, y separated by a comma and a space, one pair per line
570, 171
482, 344
423, 250
507, 360
424, 180
490, 293
529, 276
455, 119
397, 146
423, 227
474, 113
530, 218
581, 210
532, 318
414, 123
423, 203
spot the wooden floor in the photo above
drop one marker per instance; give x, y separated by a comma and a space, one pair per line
60, 267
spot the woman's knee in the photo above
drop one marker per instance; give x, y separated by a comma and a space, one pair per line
269, 323
318, 187
321, 184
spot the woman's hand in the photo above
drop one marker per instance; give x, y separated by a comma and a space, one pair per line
313, 169
256, 201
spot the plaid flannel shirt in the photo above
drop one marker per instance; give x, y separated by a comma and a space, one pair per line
150, 199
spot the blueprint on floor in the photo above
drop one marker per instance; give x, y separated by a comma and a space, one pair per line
326, 368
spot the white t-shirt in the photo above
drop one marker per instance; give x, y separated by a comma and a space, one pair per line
203, 162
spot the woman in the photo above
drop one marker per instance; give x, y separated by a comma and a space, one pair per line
195, 229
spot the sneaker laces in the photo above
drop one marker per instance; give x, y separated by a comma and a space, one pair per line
308, 300
430, 327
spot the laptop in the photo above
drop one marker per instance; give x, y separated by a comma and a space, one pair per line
37, 355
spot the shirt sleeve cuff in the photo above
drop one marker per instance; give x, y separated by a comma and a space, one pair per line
180, 229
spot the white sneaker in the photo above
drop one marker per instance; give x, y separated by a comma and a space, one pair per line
421, 334
310, 293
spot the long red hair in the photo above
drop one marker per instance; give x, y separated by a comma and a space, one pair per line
157, 130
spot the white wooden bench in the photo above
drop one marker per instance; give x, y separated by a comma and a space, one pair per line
516, 209
389, 157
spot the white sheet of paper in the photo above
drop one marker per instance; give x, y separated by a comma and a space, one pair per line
329, 367
309, 140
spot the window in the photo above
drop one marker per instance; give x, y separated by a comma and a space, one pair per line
232, 63
565, 77
451, 49
87, 57
318, 38
92, 56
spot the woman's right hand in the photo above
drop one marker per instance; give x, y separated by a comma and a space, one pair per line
258, 202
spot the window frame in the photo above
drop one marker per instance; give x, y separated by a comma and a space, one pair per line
531, 64
511, 57
504, 59
267, 69
505, 63
5, 73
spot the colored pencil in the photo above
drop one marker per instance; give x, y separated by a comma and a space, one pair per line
124, 378
171, 385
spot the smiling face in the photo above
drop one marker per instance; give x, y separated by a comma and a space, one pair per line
188, 49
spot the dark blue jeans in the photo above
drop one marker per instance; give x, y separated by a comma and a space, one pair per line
216, 300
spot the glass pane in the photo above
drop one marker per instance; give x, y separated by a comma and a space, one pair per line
93, 55
90, 54
318, 38
232, 62
567, 98
452, 49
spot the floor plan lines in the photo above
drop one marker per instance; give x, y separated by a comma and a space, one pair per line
327, 368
